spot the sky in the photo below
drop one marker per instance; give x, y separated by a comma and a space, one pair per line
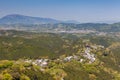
80, 10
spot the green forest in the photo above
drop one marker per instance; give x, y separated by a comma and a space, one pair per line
58, 56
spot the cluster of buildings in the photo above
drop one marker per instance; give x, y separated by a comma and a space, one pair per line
89, 55
86, 55
38, 62
69, 58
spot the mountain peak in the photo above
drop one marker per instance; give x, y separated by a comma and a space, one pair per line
12, 16
22, 19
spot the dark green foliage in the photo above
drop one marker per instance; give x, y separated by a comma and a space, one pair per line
105, 41
75, 72
19, 72
18, 44
38, 75
48, 45
5, 64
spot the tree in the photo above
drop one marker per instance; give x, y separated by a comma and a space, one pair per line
24, 77
7, 76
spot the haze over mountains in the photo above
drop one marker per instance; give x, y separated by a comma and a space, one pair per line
21, 22
22, 19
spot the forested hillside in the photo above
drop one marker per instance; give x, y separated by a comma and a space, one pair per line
61, 56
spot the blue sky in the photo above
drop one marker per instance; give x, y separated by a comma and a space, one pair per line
80, 10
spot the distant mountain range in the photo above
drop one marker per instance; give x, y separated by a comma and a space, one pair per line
22, 19
21, 22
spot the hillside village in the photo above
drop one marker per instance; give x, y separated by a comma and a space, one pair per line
86, 54
50, 56
60, 40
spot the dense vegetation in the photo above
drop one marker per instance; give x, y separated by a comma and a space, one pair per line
34, 45
18, 46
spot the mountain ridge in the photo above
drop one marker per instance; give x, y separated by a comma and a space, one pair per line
23, 19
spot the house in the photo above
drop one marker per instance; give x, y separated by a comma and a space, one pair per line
68, 58
89, 56
41, 62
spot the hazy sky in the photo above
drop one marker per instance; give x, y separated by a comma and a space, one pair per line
80, 10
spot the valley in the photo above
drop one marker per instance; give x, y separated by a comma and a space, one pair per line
59, 56
59, 39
